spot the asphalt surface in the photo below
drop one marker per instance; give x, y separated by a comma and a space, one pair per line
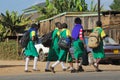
105, 75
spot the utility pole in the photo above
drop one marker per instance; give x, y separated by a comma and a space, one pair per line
99, 10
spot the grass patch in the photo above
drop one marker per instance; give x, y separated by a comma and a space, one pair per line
9, 50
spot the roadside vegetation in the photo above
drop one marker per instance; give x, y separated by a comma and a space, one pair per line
10, 50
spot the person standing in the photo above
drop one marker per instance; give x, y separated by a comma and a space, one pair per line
78, 43
30, 49
54, 48
98, 52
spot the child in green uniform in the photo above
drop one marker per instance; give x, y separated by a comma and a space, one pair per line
98, 53
30, 49
54, 48
63, 52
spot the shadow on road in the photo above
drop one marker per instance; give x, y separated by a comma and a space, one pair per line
5, 66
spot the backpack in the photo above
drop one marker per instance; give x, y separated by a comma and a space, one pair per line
46, 39
94, 39
64, 43
25, 39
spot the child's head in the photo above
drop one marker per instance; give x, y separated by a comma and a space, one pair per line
35, 26
77, 20
99, 23
64, 25
58, 25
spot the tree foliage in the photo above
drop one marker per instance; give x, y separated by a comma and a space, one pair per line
53, 7
70, 5
12, 22
115, 5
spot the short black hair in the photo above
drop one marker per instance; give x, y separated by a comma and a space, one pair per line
34, 25
64, 25
58, 24
78, 20
99, 23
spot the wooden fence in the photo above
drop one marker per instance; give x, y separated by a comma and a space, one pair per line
88, 21
111, 23
114, 32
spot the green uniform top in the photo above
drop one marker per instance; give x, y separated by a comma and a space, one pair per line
30, 50
54, 48
99, 51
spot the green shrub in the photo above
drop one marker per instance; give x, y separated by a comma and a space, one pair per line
9, 50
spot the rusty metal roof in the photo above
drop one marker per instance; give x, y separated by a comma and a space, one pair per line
110, 12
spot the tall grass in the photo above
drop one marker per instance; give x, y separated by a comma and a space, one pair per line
9, 50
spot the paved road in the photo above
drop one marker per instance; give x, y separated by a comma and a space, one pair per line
105, 75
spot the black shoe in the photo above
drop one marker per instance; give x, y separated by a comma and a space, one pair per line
27, 71
64, 69
52, 69
80, 69
73, 71
98, 70
47, 70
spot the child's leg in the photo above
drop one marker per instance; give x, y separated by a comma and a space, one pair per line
26, 63
35, 63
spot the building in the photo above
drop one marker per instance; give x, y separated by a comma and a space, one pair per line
110, 20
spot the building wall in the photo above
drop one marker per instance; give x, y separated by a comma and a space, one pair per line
49, 25
111, 23
88, 21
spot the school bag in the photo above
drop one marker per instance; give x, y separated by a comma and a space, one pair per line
94, 39
46, 39
64, 43
25, 39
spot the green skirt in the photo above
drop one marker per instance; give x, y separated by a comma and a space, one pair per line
30, 50
63, 55
78, 48
52, 56
99, 51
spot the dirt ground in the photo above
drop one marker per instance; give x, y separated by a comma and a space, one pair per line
17, 67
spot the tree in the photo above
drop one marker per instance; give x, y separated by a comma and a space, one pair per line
54, 7
46, 11
70, 5
13, 22
115, 5
2, 32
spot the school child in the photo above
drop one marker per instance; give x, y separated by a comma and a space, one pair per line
54, 48
78, 43
30, 49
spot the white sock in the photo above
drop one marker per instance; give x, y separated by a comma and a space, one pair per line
80, 64
95, 64
56, 63
77, 65
63, 66
27, 63
47, 65
71, 68
35, 63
